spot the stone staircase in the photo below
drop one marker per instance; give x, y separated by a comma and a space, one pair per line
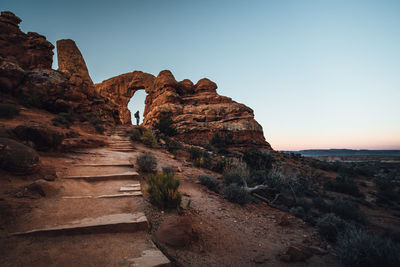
103, 178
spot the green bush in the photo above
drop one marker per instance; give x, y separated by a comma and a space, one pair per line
344, 184
358, 248
258, 160
29, 100
168, 169
135, 135
200, 158
257, 177
219, 166
236, 174
172, 145
100, 129
63, 119
298, 212
147, 163
236, 194
163, 190
348, 210
221, 142
329, 226
149, 138
321, 205
387, 189
210, 182
165, 126
8, 111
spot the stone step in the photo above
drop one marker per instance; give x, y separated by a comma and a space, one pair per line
150, 258
123, 175
124, 194
122, 150
130, 193
127, 164
114, 223
129, 188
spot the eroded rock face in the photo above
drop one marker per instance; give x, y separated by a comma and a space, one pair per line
197, 110
70, 60
29, 51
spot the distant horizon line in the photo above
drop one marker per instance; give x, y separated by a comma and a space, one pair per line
359, 149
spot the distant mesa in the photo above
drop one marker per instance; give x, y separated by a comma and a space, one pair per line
198, 112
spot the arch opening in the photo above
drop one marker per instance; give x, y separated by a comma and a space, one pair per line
137, 103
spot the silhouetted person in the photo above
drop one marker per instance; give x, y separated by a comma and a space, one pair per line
137, 117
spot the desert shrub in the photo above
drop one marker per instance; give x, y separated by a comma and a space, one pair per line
8, 111
236, 174
305, 204
221, 142
200, 158
358, 248
163, 190
209, 181
168, 169
149, 138
236, 194
298, 212
164, 126
321, 205
219, 166
100, 129
258, 160
93, 118
348, 210
330, 225
135, 135
196, 153
344, 184
172, 145
387, 188
30, 100
257, 177
146, 162
63, 119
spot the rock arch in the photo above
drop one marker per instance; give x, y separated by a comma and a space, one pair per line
197, 110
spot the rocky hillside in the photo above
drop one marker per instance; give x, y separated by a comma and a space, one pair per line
197, 111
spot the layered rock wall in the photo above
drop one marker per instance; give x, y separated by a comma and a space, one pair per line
197, 110
29, 51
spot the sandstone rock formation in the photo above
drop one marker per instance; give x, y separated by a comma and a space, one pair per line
198, 111
25, 73
70, 60
30, 51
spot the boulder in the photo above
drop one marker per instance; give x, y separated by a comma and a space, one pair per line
176, 232
43, 137
296, 253
17, 158
43, 188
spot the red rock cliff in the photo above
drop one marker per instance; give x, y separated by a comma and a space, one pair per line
30, 51
198, 111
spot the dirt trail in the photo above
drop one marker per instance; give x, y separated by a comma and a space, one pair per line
229, 234
77, 201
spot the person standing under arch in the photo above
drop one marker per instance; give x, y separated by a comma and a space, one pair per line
137, 116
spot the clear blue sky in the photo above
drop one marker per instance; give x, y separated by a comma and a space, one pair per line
318, 74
